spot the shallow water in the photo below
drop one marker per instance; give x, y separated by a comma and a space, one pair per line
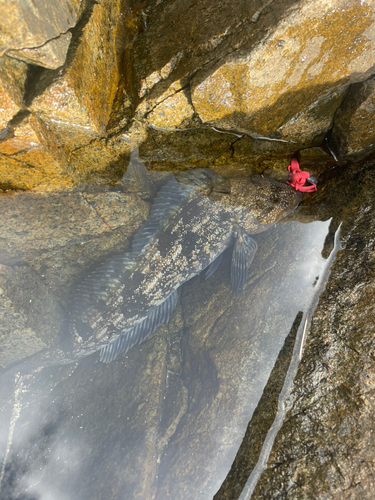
166, 419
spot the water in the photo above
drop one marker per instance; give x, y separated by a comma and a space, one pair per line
164, 420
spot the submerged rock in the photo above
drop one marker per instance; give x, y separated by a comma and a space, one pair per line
50, 239
143, 425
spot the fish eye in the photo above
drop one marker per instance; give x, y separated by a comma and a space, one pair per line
275, 199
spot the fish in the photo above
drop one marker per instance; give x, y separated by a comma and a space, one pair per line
194, 217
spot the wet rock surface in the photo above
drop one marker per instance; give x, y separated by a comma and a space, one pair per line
325, 447
229, 84
185, 395
238, 88
352, 135
36, 32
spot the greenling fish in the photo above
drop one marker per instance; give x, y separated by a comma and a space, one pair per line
193, 218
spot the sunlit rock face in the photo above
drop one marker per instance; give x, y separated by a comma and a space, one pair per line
12, 89
193, 85
37, 32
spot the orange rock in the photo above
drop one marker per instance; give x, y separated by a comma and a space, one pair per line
12, 87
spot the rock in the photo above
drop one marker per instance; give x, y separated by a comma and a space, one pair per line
231, 87
36, 32
30, 151
325, 446
276, 82
126, 396
172, 112
353, 134
228, 351
12, 87
77, 105
50, 239
30, 314
50, 55
184, 395
290, 85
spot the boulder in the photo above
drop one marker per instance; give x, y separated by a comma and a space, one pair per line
12, 87
37, 32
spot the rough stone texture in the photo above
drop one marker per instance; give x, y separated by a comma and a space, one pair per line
254, 76
46, 242
353, 134
83, 95
227, 86
30, 314
29, 156
172, 112
325, 447
83, 437
31, 30
194, 84
12, 87
50, 55
291, 83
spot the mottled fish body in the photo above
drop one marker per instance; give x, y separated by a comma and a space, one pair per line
129, 296
190, 224
122, 293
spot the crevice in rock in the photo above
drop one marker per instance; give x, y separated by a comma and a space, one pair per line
145, 115
38, 46
8, 131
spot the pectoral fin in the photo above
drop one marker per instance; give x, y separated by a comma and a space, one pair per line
213, 266
242, 257
141, 331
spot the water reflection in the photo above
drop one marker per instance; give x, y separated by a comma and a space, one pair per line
165, 419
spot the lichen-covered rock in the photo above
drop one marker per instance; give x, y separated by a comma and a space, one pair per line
353, 134
76, 106
292, 82
36, 31
50, 55
172, 112
235, 84
28, 151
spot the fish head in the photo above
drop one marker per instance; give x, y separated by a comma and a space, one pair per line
265, 199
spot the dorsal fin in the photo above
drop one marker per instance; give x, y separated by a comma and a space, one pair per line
168, 200
136, 178
243, 254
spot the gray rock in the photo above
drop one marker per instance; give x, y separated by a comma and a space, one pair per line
143, 425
